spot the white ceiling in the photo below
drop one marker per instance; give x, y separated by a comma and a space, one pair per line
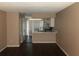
34, 7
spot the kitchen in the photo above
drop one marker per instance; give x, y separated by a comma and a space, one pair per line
40, 29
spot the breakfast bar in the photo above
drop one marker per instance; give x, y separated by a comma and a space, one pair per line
44, 37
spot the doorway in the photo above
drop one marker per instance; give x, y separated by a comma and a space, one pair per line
29, 26
27, 37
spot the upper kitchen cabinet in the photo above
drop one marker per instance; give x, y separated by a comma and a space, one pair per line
50, 21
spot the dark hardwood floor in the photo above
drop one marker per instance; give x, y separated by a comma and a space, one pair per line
28, 49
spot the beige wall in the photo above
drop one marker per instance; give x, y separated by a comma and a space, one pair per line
2, 30
42, 15
52, 21
67, 24
12, 29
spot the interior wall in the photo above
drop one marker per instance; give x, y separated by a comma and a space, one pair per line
2, 30
52, 22
67, 24
43, 15
13, 30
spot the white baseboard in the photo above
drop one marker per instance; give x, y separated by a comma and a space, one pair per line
43, 41
62, 49
2, 49
13, 45
21, 41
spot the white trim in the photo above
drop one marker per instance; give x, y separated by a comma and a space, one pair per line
43, 41
13, 45
2, 49
21, 41
62, 49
